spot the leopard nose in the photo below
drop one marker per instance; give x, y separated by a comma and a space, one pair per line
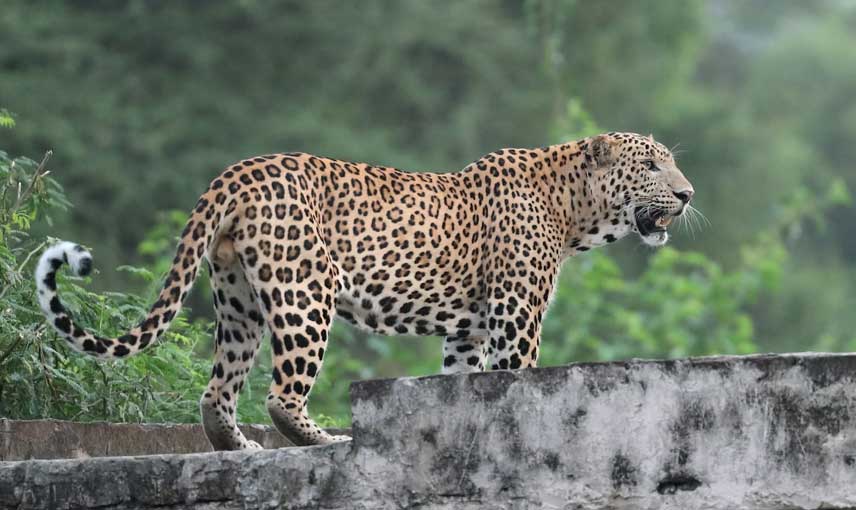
685, 195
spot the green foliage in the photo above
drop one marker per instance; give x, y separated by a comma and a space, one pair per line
39, 376
24, 190
7, 119
683, 304
145, 116
757, 93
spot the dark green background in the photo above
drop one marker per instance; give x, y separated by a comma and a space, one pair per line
143, 102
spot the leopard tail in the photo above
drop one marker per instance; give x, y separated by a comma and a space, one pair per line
202, 227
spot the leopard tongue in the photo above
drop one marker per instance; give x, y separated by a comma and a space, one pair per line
664, 221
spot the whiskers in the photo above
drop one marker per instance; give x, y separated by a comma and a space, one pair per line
675, 151
648, 206
692, 220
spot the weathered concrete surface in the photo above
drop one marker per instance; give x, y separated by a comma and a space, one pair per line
56, 439
760, 432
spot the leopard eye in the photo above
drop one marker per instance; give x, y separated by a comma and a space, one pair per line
650, 165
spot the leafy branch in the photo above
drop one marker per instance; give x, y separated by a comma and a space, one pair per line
7, 118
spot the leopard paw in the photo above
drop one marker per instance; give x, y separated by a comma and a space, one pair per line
252, 445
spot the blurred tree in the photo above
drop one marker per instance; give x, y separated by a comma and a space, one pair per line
144, 102
145, 116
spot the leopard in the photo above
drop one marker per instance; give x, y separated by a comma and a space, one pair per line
293, 240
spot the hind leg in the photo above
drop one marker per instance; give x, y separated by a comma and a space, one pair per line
240, 327
296, 289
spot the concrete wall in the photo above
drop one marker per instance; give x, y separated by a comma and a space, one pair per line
55, 439
761, 432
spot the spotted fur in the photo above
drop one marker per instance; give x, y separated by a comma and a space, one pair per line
293, 240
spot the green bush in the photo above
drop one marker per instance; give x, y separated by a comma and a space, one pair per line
683, 304
39, 376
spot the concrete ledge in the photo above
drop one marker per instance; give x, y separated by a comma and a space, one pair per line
56, 439
758, 432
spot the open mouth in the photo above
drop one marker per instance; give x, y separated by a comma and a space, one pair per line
650, 222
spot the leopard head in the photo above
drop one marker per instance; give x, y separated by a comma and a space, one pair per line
637, 179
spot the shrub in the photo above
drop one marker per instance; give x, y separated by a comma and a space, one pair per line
39, 376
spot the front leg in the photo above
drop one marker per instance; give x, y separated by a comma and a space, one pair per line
520, 281
464, 354
514, 328
514, 343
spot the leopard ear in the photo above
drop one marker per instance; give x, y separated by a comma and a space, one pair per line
603, 150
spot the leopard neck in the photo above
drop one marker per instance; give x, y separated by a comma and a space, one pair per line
572, 204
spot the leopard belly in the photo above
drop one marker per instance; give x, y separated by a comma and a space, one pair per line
408, 310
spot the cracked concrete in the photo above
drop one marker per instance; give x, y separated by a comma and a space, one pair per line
757, 432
